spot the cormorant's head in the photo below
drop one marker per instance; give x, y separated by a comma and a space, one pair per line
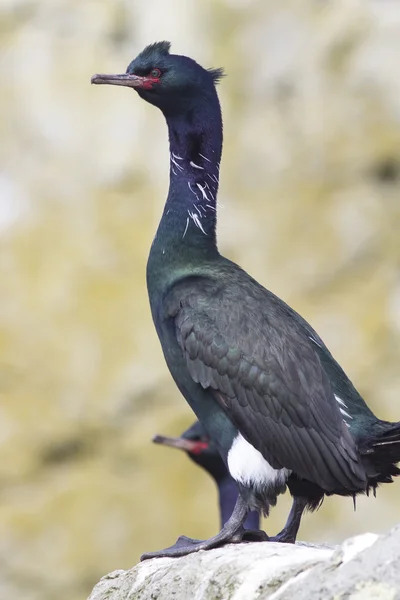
172, 82
199, 448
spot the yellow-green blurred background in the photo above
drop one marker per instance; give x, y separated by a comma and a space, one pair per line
310, 196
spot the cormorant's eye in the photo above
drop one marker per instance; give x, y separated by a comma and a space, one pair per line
155, 73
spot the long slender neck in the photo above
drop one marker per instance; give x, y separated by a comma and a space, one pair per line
188, 224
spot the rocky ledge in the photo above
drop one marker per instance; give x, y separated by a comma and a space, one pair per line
365, 567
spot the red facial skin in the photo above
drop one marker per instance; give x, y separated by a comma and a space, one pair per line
144, 82
198, 447
148, 82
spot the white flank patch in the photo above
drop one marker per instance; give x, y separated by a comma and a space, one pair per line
248, 466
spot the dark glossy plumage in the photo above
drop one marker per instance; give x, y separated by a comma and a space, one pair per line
266, 375
275, 403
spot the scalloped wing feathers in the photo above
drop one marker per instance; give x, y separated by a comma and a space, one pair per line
270, 382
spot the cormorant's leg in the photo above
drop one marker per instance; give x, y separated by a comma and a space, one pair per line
289, 532
232, 532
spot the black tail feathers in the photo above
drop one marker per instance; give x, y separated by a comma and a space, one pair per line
383, 451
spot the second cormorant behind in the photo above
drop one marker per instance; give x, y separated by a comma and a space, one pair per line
200, 449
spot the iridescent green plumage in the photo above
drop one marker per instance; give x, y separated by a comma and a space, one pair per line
277, 406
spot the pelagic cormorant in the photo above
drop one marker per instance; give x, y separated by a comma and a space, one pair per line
201, 450
275, 403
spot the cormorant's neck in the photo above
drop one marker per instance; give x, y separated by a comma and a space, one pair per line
228, 493
188, 223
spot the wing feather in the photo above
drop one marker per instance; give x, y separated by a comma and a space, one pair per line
270, 381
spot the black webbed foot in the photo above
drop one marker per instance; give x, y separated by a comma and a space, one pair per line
284, 537
184, 540
232, 532
185, 545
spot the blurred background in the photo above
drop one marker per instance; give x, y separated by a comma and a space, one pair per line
310, 195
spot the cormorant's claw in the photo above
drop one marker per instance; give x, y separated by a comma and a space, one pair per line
284, 537
232, 532
185, 545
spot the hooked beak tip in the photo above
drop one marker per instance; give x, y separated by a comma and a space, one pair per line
158, 439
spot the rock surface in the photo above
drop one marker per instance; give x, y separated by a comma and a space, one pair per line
362, 568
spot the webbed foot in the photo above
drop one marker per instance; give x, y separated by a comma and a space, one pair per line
185, 545
232, 532
284, 537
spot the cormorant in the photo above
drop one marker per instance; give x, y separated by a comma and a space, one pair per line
201, 450
278, 407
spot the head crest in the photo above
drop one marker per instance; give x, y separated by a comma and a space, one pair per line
157, 47
216, 74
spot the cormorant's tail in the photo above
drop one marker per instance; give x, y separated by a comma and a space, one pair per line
383, 451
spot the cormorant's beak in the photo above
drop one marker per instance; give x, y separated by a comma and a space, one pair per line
192, 446
126, 79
